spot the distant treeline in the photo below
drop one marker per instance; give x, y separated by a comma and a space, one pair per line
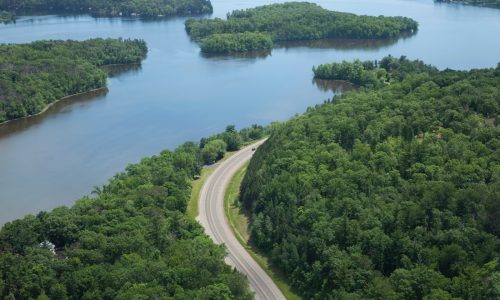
295, 21
146, 8
133, 240
37, 74
388, 192
488, 3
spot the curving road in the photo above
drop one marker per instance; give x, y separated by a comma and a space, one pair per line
213, 219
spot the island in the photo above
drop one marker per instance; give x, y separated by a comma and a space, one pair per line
108, 8
236, 42
293, 21
35, 75
389, 192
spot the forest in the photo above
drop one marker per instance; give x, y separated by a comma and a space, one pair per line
387, 192
144, 8
236, 42
34, 75
301, 21
131, 240
372, 74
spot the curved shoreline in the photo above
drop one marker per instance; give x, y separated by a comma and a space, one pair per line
53, 103
72, 95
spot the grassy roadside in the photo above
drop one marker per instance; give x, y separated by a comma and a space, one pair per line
197, 185
238, 221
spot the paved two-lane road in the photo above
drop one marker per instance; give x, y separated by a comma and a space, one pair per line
213, 219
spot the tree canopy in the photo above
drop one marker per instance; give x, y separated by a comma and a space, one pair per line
133, 240
372, 74
37, 74
389, 192
236, 42
146, 8
299, 21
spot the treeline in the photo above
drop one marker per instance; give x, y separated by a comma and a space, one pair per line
372, 74
488, 3
34, 75
236, 42
145, 8
215, 147
386, 193
133, 240
7, 17
300, 21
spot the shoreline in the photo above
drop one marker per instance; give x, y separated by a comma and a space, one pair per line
72, 95
53, 103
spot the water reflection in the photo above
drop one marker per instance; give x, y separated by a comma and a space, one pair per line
335, 86
66, 105
337, 44
341, 44
237, 55
60, 107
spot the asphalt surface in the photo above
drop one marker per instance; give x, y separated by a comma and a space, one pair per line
212, 218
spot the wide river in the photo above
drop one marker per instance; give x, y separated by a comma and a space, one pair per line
179, 95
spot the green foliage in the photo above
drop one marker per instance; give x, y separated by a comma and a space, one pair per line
386, 193
147, 8
37, 74
291, 21
372, 74
132, 241
213, 151
7, 17
233, 140
236, 42
489, 3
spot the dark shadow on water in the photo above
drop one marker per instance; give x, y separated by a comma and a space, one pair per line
20, 125
64, 105
340, 44
336, 86
237, 55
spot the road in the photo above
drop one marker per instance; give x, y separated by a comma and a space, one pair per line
212, 218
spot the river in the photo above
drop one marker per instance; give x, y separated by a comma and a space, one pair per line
179, 95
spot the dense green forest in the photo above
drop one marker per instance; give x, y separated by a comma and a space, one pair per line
7, 17
133, 240
236, 42
37, 74
489, 3
146, 8
390, 192
300, 21
372, 74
